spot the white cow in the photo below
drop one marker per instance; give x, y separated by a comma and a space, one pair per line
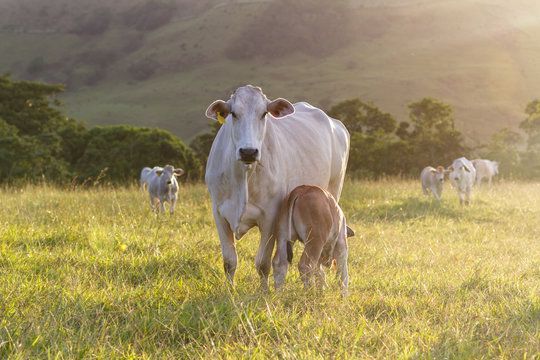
462, 176
163, 187
146, 174
432, 180
263, 151
485, 169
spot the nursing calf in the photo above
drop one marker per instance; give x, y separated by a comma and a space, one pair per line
312, 215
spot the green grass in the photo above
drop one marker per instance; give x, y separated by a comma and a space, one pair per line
94, 274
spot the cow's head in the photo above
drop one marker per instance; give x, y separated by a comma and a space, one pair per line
167, 174
246, 112
439, 174
457, 171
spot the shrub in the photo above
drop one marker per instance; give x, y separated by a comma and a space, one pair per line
124, 150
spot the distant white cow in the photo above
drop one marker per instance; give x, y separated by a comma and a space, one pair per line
264, 149
432, 180
146, 175
485, 169
163, 187
462, 176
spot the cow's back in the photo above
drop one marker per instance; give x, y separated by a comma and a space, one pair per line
483, 168
310, 148
425, 176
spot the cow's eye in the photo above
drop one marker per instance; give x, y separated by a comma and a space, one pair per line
263, 115
233, 114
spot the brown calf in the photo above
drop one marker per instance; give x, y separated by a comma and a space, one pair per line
313, 216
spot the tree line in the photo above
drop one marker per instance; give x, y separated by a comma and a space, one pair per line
38, 142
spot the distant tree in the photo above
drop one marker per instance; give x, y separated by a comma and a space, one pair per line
37, 138
361, 117
432, 137
504, 148
120, 152
375, 149
531, 127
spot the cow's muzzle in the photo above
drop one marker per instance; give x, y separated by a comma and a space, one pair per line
248, 155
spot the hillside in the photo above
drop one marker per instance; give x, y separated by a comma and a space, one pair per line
160, 63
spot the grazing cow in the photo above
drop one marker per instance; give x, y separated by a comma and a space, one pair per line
146, 174
264, 150
163, 187
462, 175
433, 179
313, 216
485, 169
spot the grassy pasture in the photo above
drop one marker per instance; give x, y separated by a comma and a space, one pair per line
92, 273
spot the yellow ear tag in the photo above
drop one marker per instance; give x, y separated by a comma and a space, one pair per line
220, 118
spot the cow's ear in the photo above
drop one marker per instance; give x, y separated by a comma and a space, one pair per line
466, 169
433, 171
218, 106
280, 108
178, 172
159, 172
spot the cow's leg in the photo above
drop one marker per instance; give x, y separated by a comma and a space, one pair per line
280, 264
489, 181
340, 254
152, 203
161, 205
173, 204
263, 259
228, 247
435, 193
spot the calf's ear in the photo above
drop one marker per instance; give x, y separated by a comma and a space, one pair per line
280, 108
218, 106
433, 171
178, 172
350, 232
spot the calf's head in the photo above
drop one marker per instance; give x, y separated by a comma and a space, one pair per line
167, 174
247, 113
457, 172
438, 174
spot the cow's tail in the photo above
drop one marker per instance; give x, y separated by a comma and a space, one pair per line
290, 241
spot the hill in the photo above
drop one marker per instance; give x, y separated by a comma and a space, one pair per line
160, 63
